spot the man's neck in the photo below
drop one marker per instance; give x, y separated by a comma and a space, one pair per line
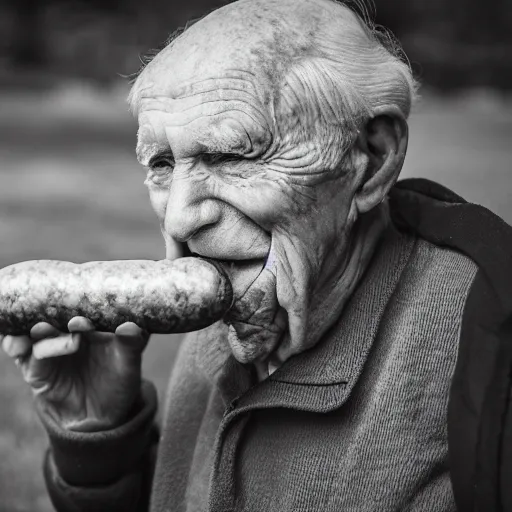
329, 300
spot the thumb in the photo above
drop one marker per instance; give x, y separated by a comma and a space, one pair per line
173, 249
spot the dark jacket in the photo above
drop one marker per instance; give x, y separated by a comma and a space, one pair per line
360, 421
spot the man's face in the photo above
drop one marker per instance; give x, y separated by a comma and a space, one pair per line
237, 180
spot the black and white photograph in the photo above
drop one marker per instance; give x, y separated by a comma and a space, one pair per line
255, 256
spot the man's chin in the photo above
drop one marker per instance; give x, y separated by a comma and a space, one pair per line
250, 343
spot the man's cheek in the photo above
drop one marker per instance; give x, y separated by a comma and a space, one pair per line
158, 197
268, 202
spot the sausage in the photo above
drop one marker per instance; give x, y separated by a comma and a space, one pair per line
165, 296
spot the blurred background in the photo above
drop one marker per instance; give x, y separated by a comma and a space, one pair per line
71, 189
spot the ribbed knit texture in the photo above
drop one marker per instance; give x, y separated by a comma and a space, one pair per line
386, 448
387, 364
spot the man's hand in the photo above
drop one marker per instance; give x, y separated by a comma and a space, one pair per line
88, 380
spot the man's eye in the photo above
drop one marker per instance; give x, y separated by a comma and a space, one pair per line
160, 171
162, 163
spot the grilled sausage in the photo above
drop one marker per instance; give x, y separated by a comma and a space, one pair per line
165, 296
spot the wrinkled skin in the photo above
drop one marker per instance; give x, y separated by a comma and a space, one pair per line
234, 173
87, 380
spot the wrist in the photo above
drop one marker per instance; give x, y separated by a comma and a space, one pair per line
101, 457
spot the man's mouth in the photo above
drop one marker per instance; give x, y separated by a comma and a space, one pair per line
242, 273
255, 330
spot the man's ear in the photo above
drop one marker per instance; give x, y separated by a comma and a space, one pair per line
384, 142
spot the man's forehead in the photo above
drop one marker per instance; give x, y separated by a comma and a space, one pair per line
161, 89
256, 38
185, 69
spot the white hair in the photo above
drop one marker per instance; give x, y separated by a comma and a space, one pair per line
334, 87
373, 61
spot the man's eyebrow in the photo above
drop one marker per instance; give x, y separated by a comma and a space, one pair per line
146, 153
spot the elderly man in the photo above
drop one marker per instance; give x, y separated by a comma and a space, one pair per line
273, 132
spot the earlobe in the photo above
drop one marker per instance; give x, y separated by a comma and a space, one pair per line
384, 141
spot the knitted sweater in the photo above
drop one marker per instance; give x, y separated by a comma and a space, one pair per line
358, 423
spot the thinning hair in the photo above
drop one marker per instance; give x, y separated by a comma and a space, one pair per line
146, 58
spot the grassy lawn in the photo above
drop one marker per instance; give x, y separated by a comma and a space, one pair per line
72, 190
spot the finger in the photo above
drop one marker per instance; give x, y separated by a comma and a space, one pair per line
80, 324
17, 346
132, 335
129, 330
43, 330
62, 345
173, 249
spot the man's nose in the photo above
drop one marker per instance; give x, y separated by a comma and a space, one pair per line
190, 208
